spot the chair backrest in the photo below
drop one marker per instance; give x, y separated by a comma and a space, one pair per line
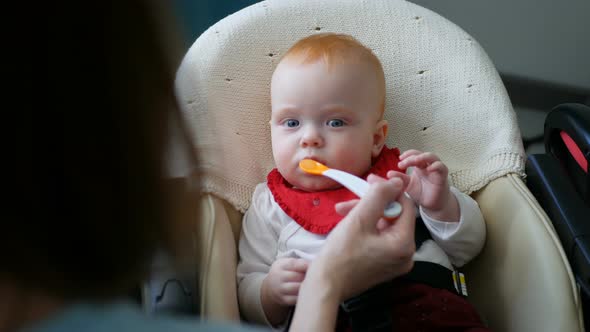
443, 92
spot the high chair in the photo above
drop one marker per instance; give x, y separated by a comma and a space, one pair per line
443, 95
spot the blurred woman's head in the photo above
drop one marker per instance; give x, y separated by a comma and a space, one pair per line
101, 208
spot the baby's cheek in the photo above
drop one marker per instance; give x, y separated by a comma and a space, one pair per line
282, 160
356, 161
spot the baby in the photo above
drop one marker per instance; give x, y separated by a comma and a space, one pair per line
328, 98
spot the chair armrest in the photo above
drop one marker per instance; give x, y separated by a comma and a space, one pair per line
522, 270
572, 120
217, 261
569, 213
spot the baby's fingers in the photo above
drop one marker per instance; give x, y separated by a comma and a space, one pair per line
289, 300
408, 153
291, 276
438, 167
294, 264
290, 289
422, 160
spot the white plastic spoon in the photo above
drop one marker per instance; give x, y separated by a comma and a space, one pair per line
352, 182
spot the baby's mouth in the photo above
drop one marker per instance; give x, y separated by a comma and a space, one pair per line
315, 159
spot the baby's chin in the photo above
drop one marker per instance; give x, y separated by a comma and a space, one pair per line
317, 183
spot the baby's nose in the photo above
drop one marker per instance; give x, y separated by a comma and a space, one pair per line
312, 138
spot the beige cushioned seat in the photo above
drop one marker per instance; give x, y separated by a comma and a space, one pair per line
443, 95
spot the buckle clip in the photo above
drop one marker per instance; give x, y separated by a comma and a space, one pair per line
460, 283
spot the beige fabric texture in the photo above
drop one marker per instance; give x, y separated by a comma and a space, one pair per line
443, 93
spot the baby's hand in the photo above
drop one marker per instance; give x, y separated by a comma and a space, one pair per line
428, 185
282, 283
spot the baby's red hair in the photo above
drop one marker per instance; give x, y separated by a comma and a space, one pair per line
334, 48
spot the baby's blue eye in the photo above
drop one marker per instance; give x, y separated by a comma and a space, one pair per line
335, 123
292, 123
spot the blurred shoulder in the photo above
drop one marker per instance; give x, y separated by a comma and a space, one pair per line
127, 317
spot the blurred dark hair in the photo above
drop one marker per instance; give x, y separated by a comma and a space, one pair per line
100, 207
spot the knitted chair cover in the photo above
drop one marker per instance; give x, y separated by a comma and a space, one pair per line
444, 95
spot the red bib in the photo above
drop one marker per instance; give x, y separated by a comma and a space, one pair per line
314, 211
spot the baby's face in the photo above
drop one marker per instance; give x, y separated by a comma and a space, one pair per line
329, 116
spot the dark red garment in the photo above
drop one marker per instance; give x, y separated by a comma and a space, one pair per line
314, 211
419, 307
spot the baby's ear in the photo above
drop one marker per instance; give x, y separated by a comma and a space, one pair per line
379, 137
